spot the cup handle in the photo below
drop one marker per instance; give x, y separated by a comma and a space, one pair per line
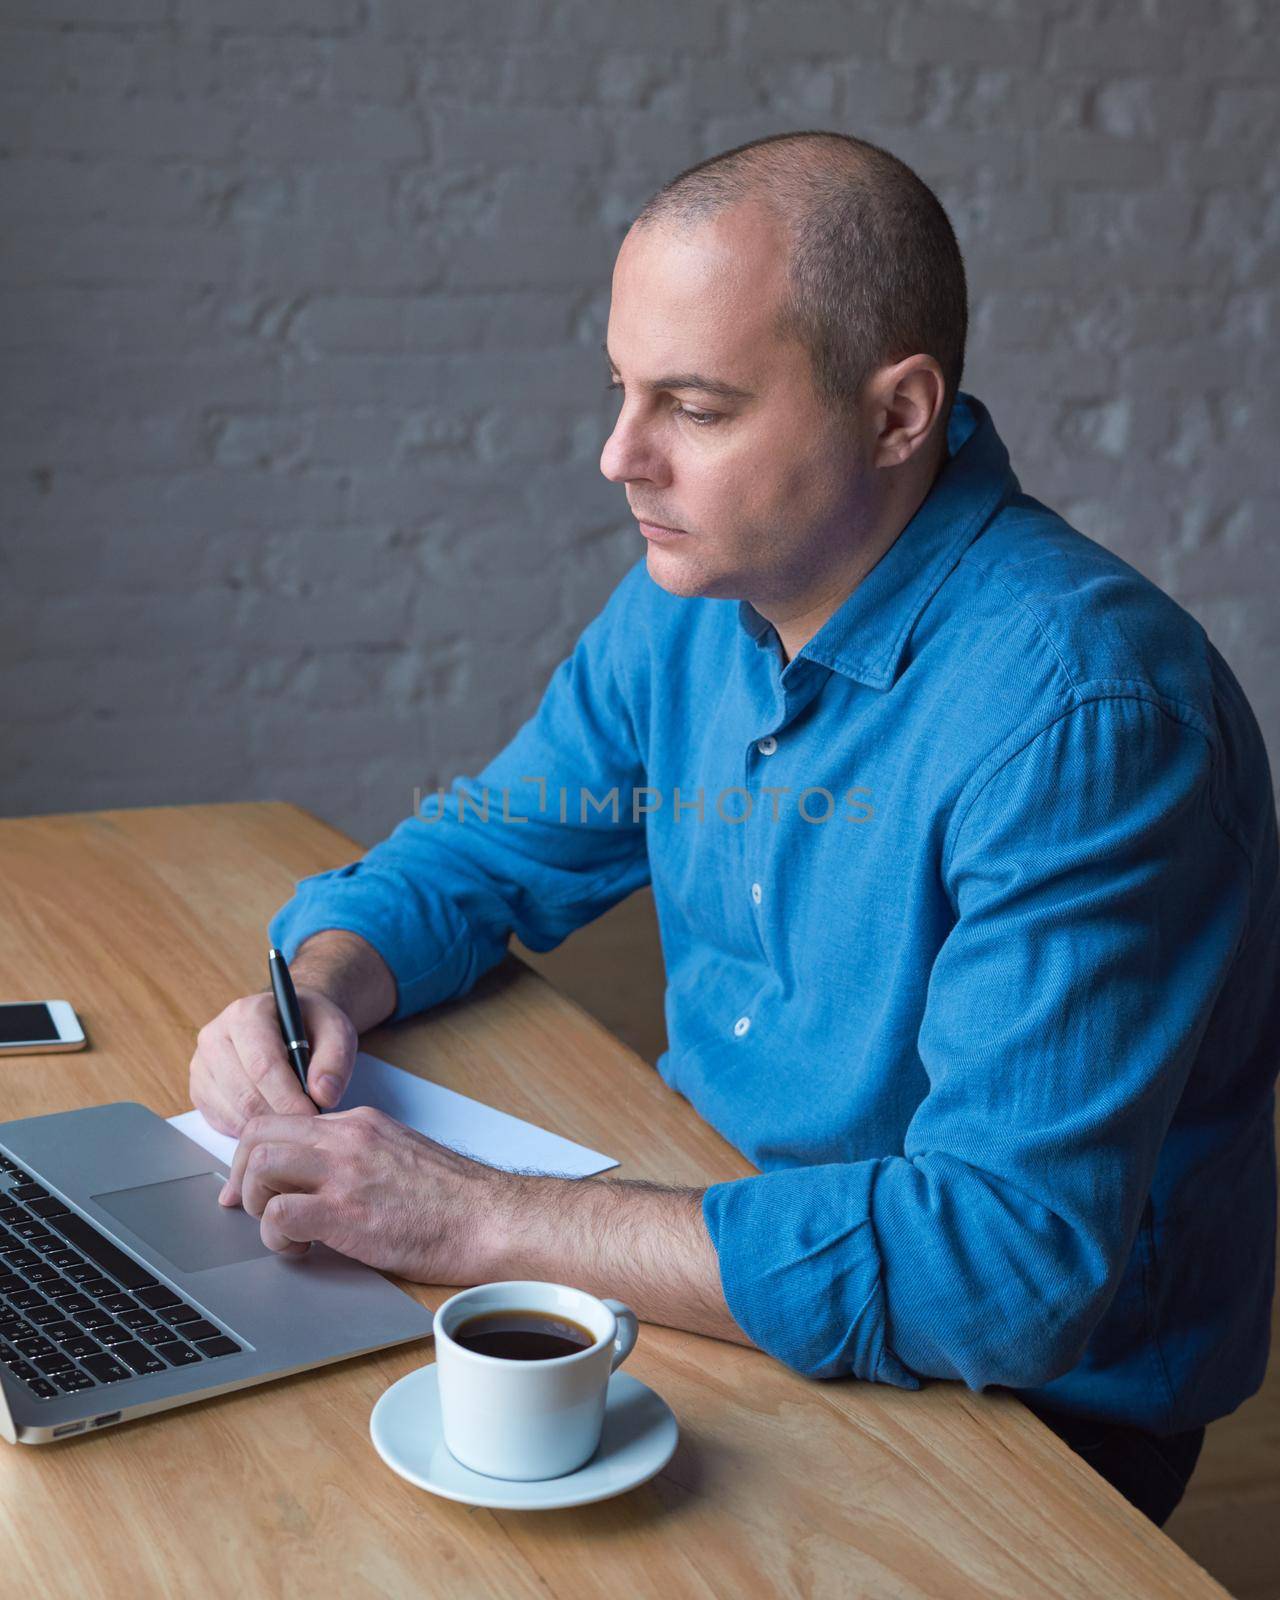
628, 1331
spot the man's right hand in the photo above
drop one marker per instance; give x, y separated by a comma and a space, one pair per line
240, 1068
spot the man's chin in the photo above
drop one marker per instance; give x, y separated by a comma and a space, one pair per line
680, 571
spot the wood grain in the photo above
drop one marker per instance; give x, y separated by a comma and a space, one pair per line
150, 921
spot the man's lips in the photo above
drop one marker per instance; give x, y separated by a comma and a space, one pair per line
648, 527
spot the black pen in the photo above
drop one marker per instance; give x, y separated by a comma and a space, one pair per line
289, 1012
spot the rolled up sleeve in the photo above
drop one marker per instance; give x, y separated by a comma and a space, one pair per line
538, 843
1099, 904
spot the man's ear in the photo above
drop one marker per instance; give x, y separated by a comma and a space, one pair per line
908, 400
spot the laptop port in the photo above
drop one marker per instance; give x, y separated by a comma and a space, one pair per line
110, 1416
67, 1427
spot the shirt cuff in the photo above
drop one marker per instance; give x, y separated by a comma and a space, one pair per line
416, 988
800, 1269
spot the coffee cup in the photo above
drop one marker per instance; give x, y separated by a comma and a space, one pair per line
533, 1414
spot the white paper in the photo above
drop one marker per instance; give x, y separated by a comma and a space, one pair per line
465, 1125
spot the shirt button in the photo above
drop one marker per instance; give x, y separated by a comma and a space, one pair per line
741, 1026
767, 745
756, 892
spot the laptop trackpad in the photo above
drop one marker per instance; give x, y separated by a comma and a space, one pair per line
182, 1220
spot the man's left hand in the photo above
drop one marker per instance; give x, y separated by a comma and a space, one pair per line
367, 1186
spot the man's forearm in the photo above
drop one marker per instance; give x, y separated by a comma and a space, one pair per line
626, 1238
636, 1241
350, 972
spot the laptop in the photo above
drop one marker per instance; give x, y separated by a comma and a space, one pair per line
125, 1288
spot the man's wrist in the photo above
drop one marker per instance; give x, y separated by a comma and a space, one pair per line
347, 970
510, 1230
640, 1242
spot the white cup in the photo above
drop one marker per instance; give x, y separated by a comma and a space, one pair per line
528, 1419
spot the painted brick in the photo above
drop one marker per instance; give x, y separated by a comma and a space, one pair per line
300, 305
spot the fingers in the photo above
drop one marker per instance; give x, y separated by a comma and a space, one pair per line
219, 1087
291, 1222
240, 1069
288, 1133
275, 1168
333, 1049
255, 1032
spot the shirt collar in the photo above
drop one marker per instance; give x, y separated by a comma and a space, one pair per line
865, 637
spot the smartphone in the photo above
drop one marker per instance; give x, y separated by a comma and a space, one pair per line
39, 1025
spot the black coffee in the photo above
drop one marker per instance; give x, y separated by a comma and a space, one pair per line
522, 1335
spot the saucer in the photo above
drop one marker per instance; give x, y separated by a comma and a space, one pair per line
638, 1439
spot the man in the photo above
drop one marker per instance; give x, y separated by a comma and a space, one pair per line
963, 847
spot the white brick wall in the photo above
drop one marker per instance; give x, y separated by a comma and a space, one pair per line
300, 310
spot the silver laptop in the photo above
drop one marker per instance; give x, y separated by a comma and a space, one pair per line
125, 1288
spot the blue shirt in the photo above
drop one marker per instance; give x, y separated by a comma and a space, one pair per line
971, 922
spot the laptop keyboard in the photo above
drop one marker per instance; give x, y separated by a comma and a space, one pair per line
75, 1310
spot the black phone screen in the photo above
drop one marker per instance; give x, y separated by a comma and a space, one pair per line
20, 1024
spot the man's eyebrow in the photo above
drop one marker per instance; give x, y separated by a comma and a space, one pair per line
689, 380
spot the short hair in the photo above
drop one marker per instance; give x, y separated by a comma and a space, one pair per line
875, 272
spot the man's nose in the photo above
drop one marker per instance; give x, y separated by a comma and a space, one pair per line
628, 456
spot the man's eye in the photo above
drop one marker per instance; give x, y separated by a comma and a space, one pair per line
701, 419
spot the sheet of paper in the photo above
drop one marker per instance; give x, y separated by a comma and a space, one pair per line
465, 1125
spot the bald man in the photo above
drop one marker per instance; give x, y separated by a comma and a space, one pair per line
963, 846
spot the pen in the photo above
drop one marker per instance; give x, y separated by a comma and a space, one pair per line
289, 1012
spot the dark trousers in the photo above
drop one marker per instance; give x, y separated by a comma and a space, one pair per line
1151, 1472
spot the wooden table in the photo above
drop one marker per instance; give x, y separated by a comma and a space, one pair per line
150, 921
